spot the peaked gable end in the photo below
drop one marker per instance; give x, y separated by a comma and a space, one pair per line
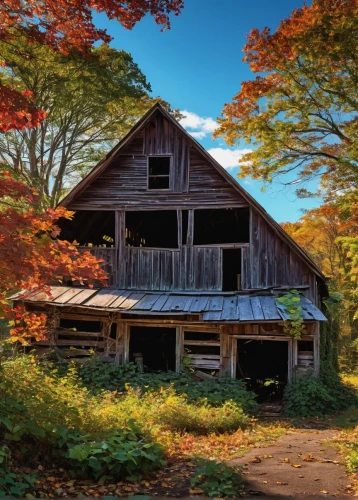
123, 184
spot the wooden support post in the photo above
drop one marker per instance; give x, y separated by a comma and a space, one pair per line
290, 361
233, 349
180, 227
126, 338
179, 349
316, 350
224, 355
119, 357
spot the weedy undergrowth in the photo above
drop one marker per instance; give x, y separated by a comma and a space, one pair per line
216, 479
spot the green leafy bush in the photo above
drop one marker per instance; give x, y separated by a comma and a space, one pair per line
217, 479
122, 455
310, 396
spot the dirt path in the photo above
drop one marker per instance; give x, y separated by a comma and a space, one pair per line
298, 464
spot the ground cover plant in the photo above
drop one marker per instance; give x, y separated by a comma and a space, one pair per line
70, 432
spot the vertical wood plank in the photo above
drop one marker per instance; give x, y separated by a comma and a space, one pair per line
180, 228
224, 354
190, 234
290, 361
233, 357
179, 348
316, 350
126, 339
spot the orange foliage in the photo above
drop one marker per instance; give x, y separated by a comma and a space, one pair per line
31, 256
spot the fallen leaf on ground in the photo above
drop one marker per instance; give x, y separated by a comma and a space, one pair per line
285, 460
267, 456
309, 458
296, 466
325, 492
255, 460
195, 491
280, 483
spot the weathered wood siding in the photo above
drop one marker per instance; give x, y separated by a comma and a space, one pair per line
123, 185
185, 269
271, 262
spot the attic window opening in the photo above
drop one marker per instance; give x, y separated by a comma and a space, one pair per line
159, 172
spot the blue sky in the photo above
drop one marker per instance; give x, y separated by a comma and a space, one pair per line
197, 67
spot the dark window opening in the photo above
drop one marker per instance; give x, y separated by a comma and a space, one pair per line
219, 226
75, 325
155, 229
156, 346
185, 216
231, 269
305, 345
90, 228
263, 365
159, 172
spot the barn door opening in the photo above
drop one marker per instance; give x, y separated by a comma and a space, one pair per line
155, 346
263, 364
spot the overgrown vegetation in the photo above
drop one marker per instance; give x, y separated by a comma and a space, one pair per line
98, 375
310, 396
290, 303
67, 421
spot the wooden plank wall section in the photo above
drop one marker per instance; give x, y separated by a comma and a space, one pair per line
271, 262
123, 185
189, 268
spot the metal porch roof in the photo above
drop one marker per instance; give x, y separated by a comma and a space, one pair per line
213, 307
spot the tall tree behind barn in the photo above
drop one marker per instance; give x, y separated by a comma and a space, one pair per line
195, 263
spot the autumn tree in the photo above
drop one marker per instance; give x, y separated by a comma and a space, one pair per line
66, 26
329, 234
89, 103
300, 112
31, 256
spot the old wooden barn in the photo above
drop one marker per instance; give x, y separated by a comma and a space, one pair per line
195, 266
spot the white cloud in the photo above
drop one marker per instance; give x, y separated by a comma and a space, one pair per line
198, 126
228, 158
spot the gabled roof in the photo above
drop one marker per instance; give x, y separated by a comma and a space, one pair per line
140, 125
